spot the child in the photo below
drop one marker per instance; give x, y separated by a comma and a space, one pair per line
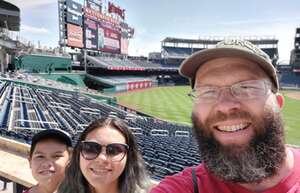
49, 155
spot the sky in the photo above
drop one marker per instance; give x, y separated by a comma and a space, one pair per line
155, 20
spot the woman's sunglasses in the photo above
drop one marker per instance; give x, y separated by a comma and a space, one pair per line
115, 151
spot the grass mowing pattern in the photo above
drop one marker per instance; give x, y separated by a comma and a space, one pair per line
168, 103
173, 104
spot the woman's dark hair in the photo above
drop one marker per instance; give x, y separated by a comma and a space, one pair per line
133, 176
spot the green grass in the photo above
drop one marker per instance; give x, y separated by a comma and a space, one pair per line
168, 103
291, 115
173, 104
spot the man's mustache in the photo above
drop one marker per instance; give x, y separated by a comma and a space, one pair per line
220, 116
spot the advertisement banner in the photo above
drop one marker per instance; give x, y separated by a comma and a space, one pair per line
74, 36
97, 16
90, 34
297, 70
115, 9
108, 38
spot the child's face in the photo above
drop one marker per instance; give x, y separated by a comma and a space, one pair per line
48, 162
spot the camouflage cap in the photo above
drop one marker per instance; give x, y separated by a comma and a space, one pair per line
228, 48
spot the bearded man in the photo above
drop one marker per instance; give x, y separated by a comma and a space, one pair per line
238, 125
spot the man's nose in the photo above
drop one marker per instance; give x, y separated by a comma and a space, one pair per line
226, 102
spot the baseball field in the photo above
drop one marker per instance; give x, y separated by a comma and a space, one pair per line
173, 104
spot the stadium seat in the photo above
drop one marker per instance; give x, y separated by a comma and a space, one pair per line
165, 147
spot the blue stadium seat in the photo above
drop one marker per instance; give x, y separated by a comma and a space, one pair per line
43, 109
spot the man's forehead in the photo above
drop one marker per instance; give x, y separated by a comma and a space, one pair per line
229, 65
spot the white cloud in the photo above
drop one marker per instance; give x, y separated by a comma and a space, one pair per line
31, 29
142, 45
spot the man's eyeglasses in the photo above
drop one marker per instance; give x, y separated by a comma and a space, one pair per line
246, 90
115, 151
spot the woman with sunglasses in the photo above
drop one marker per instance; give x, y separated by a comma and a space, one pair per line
105, 160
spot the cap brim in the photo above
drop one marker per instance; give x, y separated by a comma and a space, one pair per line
189, 66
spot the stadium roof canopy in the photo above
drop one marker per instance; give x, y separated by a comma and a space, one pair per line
190, 41
9, 16
215, 40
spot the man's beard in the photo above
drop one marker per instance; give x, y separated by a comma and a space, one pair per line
259, 159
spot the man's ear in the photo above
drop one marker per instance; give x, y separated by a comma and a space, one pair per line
280, 100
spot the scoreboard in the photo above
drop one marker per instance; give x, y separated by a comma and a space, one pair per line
89, 26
